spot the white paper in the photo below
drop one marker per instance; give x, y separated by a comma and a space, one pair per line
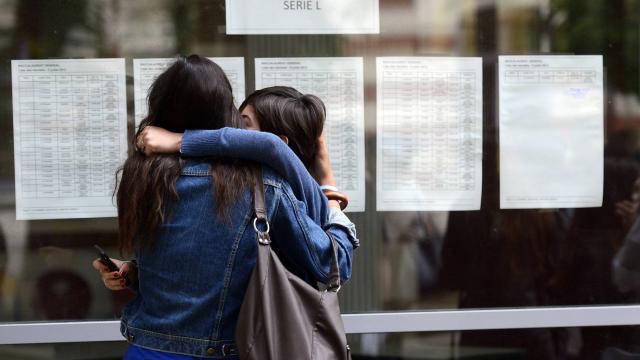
145, 71
303, 17
551, 131
339, 83
70, 136
429, 133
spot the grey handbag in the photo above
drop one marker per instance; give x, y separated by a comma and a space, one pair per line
283, 317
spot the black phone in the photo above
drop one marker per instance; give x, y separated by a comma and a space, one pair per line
104, 259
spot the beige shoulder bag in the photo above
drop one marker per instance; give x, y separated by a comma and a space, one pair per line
283, 317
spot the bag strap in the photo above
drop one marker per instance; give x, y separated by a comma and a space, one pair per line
264, 239
334, 276
261, 211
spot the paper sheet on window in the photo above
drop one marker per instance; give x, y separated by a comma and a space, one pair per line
551, 131
70, 136
145, 71
429, 133
302, 17
339, 83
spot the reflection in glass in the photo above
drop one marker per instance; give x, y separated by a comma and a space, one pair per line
604, 343
409, 260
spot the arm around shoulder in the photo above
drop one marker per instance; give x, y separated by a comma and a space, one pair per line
264, 148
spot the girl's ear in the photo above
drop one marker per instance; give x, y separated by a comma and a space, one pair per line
285, 139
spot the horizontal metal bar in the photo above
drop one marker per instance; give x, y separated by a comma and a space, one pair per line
59, 332
492, 319
90, 331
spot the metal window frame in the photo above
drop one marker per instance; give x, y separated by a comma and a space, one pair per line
387, 322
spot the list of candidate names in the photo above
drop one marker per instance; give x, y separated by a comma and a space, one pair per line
429, 132
339, 83
69, 136
552, 120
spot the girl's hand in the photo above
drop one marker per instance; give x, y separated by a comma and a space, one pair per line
321, 169
115, 280
155, 140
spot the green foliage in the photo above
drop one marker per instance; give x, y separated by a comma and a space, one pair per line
607, 27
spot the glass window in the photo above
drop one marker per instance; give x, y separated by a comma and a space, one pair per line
620, 342
489, 258
112, 350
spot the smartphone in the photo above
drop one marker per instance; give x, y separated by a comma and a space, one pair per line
104, 259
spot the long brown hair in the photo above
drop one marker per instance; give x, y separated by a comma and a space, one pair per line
193, 93
283, 110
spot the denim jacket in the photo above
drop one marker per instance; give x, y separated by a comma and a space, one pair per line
191, 283
268, 149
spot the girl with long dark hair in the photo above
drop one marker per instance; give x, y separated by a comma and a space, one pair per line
188, 223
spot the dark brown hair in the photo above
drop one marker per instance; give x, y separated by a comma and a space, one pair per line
193, 93
283, 110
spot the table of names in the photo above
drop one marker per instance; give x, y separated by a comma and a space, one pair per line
429, 132
70, 136
339, 83
552, 120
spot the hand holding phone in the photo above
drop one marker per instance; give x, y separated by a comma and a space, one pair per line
106, 261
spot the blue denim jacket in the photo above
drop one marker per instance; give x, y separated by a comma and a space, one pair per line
191, 283
268, 149
262, 147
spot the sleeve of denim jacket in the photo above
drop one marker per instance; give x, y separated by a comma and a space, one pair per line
337, 217
267, 149
307, 245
